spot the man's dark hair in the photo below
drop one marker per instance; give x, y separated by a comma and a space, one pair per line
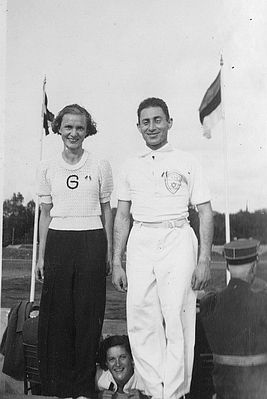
75, 109
153, 102
109, 342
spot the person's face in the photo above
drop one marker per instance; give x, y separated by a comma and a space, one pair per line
73, 130
154, 126
120, 364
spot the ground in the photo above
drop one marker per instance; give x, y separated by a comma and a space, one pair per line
16, 286
17, 272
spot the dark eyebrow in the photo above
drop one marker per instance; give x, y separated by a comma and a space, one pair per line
155, 117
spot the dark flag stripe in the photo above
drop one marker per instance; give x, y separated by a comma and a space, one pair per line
211, 99
48, 116
210, 107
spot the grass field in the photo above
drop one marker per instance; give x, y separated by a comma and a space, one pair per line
17, 275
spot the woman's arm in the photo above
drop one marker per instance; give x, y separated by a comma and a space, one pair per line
44, 223
107, 221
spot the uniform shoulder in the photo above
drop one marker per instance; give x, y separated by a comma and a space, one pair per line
259, 286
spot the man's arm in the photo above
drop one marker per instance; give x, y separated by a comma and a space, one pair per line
121, 232
106, 217
202, 274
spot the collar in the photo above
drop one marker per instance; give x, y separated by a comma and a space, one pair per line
77, 165
106, 379
166, 148
237, 282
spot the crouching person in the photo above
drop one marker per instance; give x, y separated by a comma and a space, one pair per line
116, 376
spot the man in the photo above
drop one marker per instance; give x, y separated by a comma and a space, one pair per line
235, 321
162, 249
116, 377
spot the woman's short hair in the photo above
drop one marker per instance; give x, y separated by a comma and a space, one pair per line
109, 342
75, 109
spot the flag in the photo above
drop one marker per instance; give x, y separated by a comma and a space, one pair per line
48, 116
210, 110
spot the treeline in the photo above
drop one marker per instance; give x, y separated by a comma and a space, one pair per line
243, 224
18, 223
18, 220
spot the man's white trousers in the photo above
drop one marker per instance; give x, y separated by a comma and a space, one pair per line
161, 307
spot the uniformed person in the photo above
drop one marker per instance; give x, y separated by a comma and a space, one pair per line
235, 321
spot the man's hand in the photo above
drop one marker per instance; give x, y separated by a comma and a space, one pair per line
201, 275
106, 394
39, 270
119, 279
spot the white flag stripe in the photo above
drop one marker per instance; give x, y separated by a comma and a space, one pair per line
211, 120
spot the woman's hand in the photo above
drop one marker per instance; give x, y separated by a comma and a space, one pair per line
136, 394
109, 262
39, 270
106, 394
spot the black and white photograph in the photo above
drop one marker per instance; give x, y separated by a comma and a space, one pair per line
133, 167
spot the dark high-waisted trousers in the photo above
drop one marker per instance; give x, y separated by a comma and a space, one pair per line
71, 311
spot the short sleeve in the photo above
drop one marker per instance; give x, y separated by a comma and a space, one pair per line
43, 184
106, 181
199, 192
123, 187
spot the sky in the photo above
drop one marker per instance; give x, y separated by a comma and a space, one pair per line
108, 55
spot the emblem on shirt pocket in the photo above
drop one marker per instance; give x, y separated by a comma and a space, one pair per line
173, 181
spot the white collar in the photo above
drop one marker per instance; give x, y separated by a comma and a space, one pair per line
106, 378
77, 165
166, 148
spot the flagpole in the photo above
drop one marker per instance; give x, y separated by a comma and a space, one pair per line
225, 157
36, 213
226, 173
3, 26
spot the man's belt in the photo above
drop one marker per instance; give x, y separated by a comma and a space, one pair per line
169, 224
241, 361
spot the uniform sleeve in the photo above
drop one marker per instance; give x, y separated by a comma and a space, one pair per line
106, 181
123, 187
198, 188
43, 184
207, 304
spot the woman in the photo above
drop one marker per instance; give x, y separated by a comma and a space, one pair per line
116, 377
75, 234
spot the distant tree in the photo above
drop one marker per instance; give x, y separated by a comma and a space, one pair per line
14, 205
29, 224
219, 229
17, 220
243, 224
